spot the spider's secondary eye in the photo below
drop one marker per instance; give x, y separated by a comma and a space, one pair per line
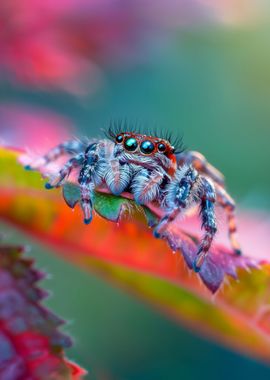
161, 147
119, 138
131, 144
147, 147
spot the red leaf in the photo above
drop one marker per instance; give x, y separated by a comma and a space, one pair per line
129, 255
31, 346
219, 262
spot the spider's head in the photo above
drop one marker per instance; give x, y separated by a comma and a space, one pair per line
143, 145
147, 151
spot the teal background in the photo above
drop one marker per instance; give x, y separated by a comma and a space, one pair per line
212, 85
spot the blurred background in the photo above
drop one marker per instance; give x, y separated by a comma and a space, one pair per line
198, 68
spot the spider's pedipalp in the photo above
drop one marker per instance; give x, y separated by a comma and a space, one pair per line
146, 185
117, 176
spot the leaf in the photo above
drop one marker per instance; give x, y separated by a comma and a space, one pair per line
128, 254
31, 346
219, 262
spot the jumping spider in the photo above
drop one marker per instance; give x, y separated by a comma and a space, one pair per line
152, 171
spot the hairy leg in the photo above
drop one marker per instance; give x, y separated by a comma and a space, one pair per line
179, 194
224, 199
199, 162
209, 225
70, 147
63, 174
90, 176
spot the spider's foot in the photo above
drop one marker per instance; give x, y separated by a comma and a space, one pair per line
238, 252
156, 233
236, 247
36, 164
159, 230
28, 167
152, 224
196, 268
87, 212
54, 183
198, 261
87, 220
48, 186
161, 227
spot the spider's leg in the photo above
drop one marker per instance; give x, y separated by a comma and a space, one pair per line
146, 185
69, 147
178, 196
87, 189
200, 163
63, 174
209, 224
224, 199
90, 176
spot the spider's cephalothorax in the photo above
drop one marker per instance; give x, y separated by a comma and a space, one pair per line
149, 168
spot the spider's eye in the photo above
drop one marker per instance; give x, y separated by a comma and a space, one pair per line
119, 138
131, 144
147, 147
161, 147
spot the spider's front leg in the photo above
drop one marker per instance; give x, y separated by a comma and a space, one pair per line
180, 193
209, 224
64, 173
70, 147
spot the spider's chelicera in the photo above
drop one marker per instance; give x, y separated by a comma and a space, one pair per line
149, 168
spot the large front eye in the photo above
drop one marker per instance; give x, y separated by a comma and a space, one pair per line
131, 144
147, 147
